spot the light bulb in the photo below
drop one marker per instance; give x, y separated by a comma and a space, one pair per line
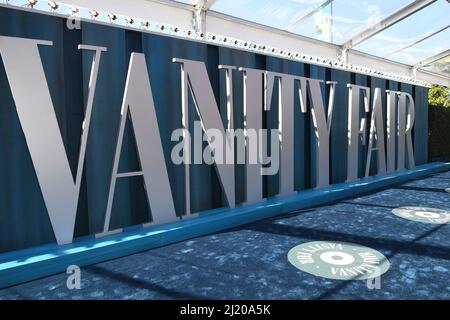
53, 5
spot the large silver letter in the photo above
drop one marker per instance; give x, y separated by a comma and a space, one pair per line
253, 104
391, 130
376, 135
322, 125
406, 115
355, 128
286, 127
198, 82
37, 116
138, 102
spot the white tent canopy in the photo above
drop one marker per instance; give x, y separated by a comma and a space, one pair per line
403, 37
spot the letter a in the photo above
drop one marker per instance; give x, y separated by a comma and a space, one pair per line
138, 101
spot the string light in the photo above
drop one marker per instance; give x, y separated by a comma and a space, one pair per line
112, 17
32, 3
53, 5
129, 20
94, 13
74, 10
231, 42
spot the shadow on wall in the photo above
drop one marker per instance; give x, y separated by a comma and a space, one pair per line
439, 133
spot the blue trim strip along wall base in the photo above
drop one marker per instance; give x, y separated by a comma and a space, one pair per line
29, 264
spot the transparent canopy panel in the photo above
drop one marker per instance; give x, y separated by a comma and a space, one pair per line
423, 50
441, 66
332, 21
415, 38
191, 2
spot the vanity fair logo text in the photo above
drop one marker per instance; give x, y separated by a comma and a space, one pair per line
389, 143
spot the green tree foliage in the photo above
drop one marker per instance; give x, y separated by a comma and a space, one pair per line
438, 95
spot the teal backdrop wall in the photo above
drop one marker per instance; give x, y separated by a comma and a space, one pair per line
23, 217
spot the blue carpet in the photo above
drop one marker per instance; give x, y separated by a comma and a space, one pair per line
250, 262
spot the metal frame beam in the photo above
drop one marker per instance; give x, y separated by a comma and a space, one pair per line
433, 77
208, 4
387, 22
200, 10
432, 59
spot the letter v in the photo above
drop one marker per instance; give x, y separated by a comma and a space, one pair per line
42, 134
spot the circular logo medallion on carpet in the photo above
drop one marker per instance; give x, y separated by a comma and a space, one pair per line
338, 260
423, 214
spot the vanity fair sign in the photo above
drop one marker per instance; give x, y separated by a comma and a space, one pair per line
86, 101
